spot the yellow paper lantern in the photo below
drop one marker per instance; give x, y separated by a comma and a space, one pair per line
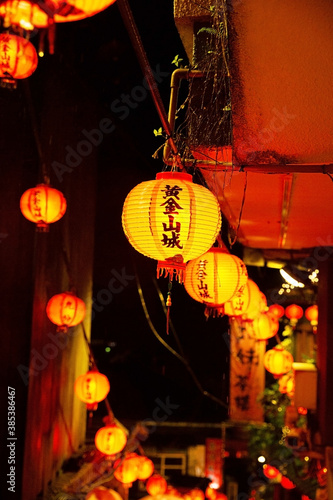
110, 439
43, 205
278, 361
172, 220
126, 470
248, 304
156, 485
214, 278
146, 467
65, 310
91, 388
102, 493
265, 326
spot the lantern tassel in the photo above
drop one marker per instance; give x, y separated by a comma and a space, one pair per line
172, 267
168, 305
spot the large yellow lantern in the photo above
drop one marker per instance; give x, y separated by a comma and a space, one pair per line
278, 361
214, 278
172, 220
248, 304
43, 205
265, 326
126, 470
28, 14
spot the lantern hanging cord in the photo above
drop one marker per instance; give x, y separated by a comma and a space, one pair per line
170, 349
128, 19
31, 110
92, 357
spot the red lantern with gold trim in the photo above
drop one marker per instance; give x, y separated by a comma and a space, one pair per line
110, 439
287, 483
294, 313
18, 58
270, 472
214, 278
265, 326
278, 361
91, 388
43, 205
65, 310
156, 485
276, 310
311, 314
172, 220
126, 469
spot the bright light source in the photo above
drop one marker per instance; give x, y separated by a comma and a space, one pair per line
289, 278
261, 459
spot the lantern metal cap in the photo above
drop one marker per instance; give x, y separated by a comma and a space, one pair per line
174, 175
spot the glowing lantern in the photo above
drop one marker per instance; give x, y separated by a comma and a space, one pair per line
126, 470
65, 310
43, 205
18, 58
311, 314
302, 411
287, 384
195, 494
294, 313
214, 278
265, 326
276, 310
287, 484
270, 472
172, 220
247, 304
278, 361
92, 387
102, 493
156, 485
110, 439
28, 14
211, 493
145, 467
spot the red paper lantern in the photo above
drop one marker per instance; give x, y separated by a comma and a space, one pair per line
145, 467
18, 58
43, 205
102, 493
265, 326
28, 14
172, 220
156, 485
311, 314
126, 470
294, 313
65, 310
214, 278
278, 361
270, 472
276, 310
92, 387
110, 439
248, 304
287, 484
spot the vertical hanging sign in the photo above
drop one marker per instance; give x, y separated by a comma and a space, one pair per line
247, 372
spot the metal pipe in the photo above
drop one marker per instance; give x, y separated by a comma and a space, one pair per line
134, 35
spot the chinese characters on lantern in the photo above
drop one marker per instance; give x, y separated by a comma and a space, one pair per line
201, 277
171, 229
